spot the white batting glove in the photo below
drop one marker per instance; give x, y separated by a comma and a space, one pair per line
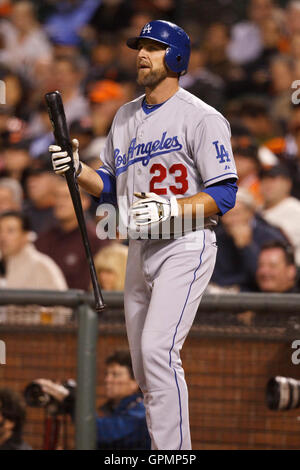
153, 208
61, 161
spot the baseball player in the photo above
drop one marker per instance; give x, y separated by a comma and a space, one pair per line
167, 152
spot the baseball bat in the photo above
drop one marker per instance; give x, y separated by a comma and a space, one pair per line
60, 130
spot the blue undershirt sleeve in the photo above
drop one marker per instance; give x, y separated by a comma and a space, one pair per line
109, 194
224, 194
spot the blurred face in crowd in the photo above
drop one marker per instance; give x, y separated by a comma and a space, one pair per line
41, 187
216, 38
275, 189
66, 77
126, 58
12, 236
197, 59
107, 279
240, 214
281, 73
260, 126
7, 200
23, 16
15, 162
151, 68
260, 10
139, 19
63, 206
13, 90
245, 166
103, 54
118, 382
270, 33
102, 115
293, 19
273, 273
295, 46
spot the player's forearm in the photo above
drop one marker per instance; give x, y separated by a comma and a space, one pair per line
90, 181
188, 205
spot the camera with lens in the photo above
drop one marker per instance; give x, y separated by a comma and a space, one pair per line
283, 393
37, 398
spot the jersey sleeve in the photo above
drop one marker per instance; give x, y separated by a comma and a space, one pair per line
212, 150
107, 173
107, 155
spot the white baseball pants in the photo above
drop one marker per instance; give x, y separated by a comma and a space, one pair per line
165, 281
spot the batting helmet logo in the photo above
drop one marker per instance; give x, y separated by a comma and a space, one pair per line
179, 45
147, 29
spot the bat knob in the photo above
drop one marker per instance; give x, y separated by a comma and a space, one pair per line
100, 308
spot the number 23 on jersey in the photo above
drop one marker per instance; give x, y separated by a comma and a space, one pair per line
160, 173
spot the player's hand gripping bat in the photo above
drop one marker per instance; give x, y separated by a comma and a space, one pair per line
58, 119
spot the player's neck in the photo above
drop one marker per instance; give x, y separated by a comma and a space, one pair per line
162, 92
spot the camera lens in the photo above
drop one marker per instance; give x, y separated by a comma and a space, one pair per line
35, 396
283, 393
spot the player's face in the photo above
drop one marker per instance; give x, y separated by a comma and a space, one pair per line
151, 68
118, 382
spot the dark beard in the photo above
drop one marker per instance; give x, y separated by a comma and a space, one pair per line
153, 78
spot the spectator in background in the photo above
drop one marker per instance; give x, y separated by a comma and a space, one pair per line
245, 152
281, 69
12, 419
11, 195
105, 96
246, 42
110, 265
258, 72
69, 72
254, 114
16, 159
292, 20
103, 60
276, 269
112, 16
280, 208
40, 190
16, 93
289, 148
25, 267
239, 237
122, 422
24, 41
201, 82
65, 24
39, 131
214, 46
126, 60
63, 242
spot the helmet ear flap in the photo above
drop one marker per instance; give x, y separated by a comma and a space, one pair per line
173, 59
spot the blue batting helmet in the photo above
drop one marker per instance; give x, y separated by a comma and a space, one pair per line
179, 45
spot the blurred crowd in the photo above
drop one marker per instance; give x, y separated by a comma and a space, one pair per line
245, 61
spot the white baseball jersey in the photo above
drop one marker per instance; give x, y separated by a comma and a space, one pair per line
178, 149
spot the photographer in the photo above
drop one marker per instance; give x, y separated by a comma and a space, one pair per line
121, 423
12, 418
